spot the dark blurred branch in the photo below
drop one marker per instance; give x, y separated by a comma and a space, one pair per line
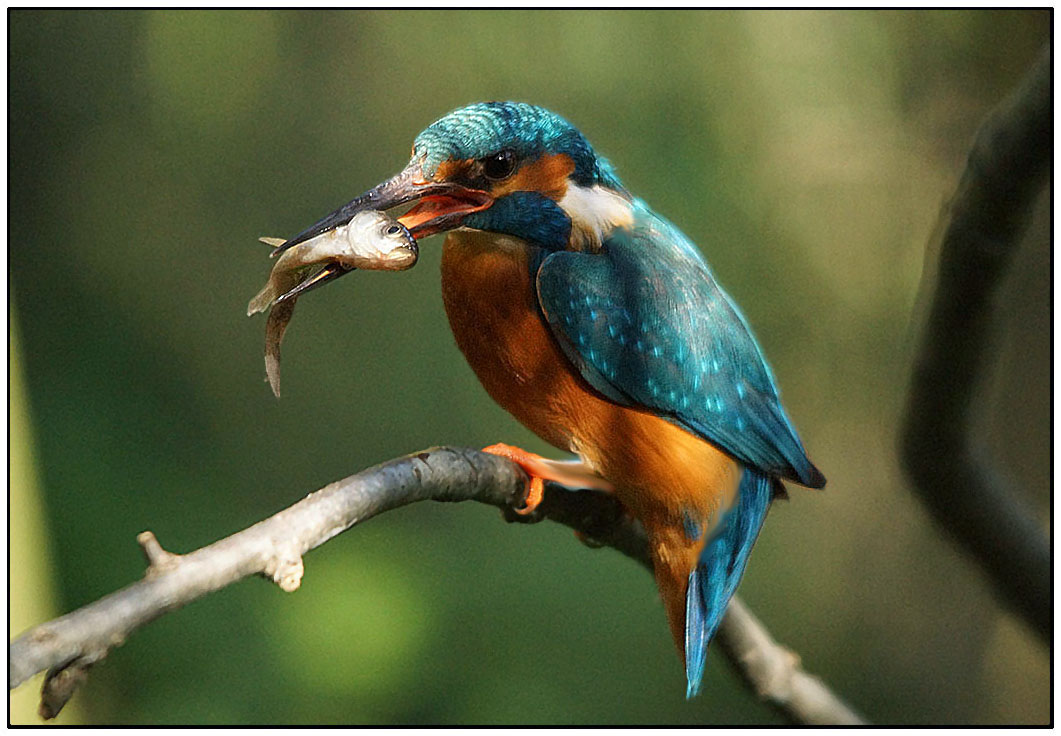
961, 485
68, 646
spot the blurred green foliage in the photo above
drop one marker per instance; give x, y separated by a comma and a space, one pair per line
808, 153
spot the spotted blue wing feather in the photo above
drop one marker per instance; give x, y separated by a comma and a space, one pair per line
647, 326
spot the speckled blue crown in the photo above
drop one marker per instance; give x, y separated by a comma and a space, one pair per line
483, 128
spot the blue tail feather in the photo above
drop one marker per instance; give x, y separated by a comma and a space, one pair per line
720, 569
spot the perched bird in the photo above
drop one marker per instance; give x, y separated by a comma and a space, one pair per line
600, 327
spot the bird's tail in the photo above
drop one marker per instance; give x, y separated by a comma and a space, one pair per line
719, 570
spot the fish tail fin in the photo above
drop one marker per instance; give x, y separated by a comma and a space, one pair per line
261, 300
275, 326
272, 372
719, 570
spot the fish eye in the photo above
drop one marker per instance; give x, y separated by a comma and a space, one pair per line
499, 165
393, 230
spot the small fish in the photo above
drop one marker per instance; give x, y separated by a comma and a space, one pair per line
371, 241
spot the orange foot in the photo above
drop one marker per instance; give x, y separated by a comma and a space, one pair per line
532, 465
540, 469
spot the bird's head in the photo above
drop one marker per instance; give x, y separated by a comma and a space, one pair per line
504, 167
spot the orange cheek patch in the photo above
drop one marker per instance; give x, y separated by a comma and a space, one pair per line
451, 169
547, 175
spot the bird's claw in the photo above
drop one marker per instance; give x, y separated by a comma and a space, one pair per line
531, 465
535, 494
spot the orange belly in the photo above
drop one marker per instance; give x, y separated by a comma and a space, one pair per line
661, 472
492, 305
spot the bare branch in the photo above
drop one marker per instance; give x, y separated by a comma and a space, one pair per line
972, 498
69, 645
775, 674
272, 548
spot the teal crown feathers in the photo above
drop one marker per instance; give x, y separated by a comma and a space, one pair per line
484, 128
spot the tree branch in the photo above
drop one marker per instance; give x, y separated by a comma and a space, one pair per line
68, 646
775, 674
959, 483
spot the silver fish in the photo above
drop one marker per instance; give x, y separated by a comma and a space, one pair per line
372, 241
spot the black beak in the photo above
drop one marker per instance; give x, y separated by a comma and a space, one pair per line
450, 203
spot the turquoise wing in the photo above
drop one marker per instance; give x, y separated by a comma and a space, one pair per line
647, 326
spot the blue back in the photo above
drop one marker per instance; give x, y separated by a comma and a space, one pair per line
647, 326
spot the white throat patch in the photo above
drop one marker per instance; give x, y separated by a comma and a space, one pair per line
594, 212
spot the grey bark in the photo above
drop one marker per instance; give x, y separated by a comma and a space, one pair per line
68, 646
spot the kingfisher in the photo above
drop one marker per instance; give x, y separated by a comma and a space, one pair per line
599, 326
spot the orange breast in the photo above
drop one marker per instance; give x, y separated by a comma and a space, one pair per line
661, 472
659, 469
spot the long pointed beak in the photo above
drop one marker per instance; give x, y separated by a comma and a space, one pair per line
443, 207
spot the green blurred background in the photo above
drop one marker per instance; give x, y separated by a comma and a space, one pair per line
808, 153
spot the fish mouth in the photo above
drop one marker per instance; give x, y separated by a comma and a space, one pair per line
441, 206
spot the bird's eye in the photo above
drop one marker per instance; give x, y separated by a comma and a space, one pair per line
499, 165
